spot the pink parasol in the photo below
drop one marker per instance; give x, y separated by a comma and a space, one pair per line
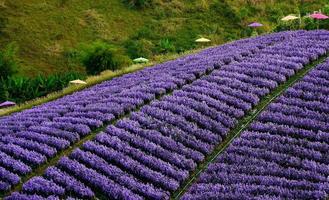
7, 104
319, 16
255, 24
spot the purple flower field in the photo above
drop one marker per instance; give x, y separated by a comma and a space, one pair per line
154, 127
282, 155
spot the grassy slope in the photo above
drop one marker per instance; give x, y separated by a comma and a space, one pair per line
44, 29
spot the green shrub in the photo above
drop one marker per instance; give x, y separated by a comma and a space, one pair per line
138, 3
185, 37
8, 61
100, 56
325, 23
309, 23
165, 46
139, 48
3, 92
289, 25
243, 13
273, 13
326, 9
20, 89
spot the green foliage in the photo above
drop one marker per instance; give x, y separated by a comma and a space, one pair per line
274, 13
8, 61
3, 91
148, 31
309, 23
308, 6
306, 23
70, 58
139, 48
3, 23
231, 36
325, 23
138, 3
243, 13
287, 25
165, 46
100, 56
186, 36
68, 23
226, 10
326, 9
62, 3
20, 89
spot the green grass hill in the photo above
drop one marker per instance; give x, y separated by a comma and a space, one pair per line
46, 30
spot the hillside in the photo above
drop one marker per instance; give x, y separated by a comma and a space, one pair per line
244, 120
46, 30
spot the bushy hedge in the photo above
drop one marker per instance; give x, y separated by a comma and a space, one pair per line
20, 89
100, 56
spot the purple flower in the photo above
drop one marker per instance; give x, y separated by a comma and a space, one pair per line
39, 185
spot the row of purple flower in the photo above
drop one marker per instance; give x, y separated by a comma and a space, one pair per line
284, 153
149, 154
29, 138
